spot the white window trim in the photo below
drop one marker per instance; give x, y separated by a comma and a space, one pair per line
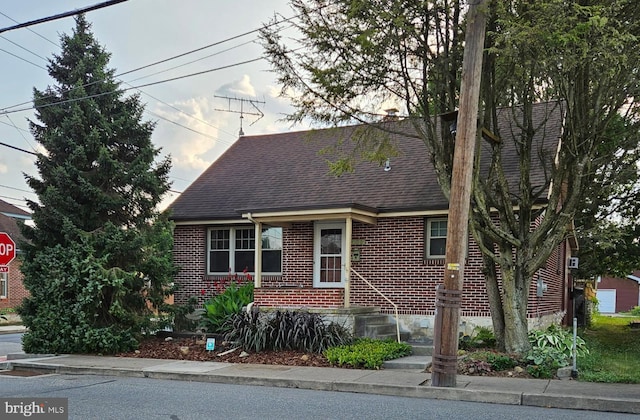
427, 234
316, 254
232, 251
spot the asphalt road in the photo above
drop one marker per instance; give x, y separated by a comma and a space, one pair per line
10, 343
99, 397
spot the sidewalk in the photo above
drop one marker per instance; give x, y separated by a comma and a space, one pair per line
622, 398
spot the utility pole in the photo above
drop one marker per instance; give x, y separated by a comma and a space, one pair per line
449, 295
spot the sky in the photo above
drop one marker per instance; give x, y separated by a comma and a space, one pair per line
191, 125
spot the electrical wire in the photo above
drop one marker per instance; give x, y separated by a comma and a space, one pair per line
6, 111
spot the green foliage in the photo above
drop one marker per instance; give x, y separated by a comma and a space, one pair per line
367, 353
635, 311
552, 349
480, 337
97, 261
181, 314
613, 352
285, 330
558, 338
221, 308
502, 361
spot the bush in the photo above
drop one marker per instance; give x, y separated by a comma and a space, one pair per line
367, 353
552, 349
480, 337
501, 361
285, 330
635, 311
221, 308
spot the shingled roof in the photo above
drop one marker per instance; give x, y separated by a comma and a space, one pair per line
286, 172
13, 211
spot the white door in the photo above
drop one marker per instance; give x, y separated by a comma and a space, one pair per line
606, 301
329, 255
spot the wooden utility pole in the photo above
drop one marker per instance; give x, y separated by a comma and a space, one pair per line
448, 296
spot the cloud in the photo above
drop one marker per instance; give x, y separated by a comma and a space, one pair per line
242, 87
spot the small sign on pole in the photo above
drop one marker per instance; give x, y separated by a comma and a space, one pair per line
211, 344
4, 269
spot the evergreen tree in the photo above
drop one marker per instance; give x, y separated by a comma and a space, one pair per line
99, 256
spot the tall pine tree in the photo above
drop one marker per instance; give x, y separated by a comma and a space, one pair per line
99, 257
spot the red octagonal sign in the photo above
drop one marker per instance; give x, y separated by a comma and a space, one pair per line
7, 249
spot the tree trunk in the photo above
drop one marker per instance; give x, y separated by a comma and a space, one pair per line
514, 306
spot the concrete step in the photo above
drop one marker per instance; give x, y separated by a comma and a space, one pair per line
408, 362
377, 330
421, 350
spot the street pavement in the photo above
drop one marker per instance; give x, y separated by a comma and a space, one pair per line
554, 393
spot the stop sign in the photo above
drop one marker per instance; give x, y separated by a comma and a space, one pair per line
7, 249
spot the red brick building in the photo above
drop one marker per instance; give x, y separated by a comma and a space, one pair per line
269, 209
12, 290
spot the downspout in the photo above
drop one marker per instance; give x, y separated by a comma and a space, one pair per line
347, 280
257, 281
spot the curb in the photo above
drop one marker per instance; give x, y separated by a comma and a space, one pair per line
618, 405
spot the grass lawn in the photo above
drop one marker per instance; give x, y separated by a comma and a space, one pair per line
614, 351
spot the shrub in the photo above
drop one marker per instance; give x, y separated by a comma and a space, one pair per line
285, 330
367, 353
219, 309
480, 337
501, 361
552, 349
635, 311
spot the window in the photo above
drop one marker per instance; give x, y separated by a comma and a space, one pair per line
436, 238
4, 279
234, 249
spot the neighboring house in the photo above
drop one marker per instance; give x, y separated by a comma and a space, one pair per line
12, 290
268, 206
617, 294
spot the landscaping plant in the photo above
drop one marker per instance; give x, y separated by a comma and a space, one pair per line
552, 349
367, 353
221, 308
285, 330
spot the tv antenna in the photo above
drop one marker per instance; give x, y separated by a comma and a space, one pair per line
255, 111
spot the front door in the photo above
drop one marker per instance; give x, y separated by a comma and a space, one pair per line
329, 255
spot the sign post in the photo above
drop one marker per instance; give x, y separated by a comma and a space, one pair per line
7, 251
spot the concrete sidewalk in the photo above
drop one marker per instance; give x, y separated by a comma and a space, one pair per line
622, 398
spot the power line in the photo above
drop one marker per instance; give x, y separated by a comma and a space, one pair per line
18, 149
173, 57
6, 111
17, 189
30, 30
63, 15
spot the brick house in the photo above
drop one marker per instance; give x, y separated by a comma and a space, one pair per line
268, 207
616, 294
12, 289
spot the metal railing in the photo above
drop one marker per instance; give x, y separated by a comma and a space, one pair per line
395, 307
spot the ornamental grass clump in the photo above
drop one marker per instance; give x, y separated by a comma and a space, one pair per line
285, 330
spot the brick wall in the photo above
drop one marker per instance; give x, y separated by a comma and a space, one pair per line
189, 253
299, 297
16, 291
391, 258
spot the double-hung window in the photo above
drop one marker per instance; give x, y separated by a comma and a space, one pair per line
233, 249
435, 238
